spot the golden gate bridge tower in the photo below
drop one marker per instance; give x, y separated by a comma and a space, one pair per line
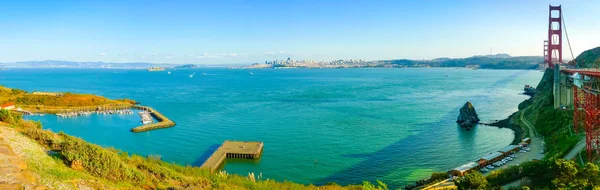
553, 46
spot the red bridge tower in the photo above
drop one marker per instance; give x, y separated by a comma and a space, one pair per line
554, 52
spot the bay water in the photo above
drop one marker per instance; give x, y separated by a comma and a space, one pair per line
317, 125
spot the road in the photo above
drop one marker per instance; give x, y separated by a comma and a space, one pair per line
535, 147
574, 151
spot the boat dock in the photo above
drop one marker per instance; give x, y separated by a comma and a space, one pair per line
233, 149
163, 122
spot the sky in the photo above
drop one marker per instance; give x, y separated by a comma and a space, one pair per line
219, 32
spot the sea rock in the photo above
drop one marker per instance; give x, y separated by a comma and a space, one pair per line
467, 116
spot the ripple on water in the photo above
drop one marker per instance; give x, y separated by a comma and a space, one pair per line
394, 125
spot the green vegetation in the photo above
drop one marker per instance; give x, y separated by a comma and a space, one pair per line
556, 127
548, 174
58, 102
588, 59
106, 168
472, 181
554, 124
485, 62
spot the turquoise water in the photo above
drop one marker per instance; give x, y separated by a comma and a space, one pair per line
394, 125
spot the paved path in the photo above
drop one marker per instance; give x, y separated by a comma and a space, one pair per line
446, 184
576, 150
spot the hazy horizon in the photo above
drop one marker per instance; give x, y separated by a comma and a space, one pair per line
238, 32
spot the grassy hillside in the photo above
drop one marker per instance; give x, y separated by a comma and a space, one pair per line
524, 62
84, 164
554, 124
57, 102
588, 59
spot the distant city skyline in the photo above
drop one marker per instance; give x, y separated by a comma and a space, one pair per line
240, 32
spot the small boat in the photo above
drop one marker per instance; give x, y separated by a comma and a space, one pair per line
251, 73
169, 72
203, 73
192, 75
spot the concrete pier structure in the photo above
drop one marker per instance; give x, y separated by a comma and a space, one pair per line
233, 149
562, 88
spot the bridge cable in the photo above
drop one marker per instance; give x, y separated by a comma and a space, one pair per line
568, 41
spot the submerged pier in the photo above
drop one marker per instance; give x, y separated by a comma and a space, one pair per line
163, 122
233, 149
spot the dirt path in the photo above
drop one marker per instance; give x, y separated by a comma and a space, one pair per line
13, 170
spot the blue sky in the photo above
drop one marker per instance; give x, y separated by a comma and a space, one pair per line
213, 32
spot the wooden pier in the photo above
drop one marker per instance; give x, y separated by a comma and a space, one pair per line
233, 149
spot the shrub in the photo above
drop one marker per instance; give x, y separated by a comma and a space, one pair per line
97, 160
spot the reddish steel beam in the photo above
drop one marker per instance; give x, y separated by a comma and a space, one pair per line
554, 45
576, 104
592, 118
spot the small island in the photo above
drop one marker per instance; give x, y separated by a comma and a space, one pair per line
467, 117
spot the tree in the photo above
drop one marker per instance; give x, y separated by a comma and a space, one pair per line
591, 172
472, 181
568, 175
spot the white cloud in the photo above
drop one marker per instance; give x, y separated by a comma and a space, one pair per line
207, 56
229, 54
274, 53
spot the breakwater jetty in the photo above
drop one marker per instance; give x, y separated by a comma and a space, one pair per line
163, 122
233, 149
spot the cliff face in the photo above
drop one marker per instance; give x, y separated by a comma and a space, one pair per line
467, 116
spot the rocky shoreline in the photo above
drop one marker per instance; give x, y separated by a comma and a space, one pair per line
511, 122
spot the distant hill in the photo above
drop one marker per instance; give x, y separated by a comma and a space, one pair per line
499, 61
500, 55
73, 64
188, 66
588, 59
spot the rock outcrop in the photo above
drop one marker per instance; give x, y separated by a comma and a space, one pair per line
467, 116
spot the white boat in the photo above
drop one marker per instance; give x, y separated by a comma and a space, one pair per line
192, 75
169, 72
251, 73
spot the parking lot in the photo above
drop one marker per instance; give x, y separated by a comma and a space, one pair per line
535, 148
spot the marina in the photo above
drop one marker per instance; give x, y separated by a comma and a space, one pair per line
148, 124
100, 112
147, 116
233, 149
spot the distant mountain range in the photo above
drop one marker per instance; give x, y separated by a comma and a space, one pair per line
498, 61
107, 65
